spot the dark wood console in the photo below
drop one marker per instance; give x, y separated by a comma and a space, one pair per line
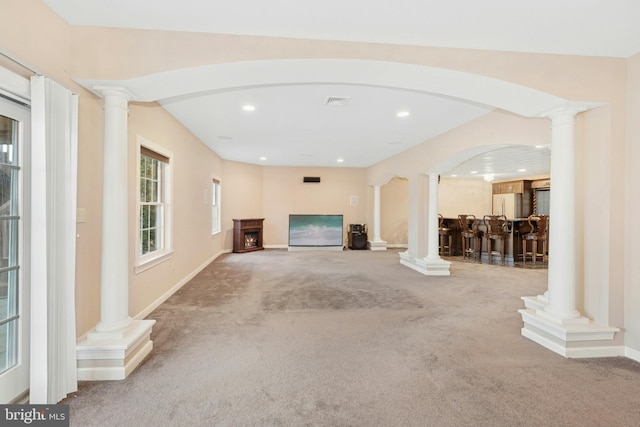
247, 235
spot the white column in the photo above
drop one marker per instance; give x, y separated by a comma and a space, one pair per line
553, 320
118, 343
425, 230
562, 218
377, 244
416, 221
433, 253
114, 288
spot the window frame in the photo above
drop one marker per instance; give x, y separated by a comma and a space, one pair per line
216, 206
151, 259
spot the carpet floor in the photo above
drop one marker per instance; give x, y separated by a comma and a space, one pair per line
353, 338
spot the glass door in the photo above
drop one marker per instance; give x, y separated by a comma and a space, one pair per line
14, 288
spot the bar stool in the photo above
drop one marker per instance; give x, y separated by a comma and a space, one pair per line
445, 236
496, 232
539, 233
471, 237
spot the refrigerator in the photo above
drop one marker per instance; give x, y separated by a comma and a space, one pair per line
509, 205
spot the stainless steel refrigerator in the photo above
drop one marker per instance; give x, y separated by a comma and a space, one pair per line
509, 205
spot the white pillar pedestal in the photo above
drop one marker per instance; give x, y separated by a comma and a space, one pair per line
432, 264
377, 244
552, 320
118, 344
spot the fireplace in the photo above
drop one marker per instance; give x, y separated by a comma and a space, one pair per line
247, 235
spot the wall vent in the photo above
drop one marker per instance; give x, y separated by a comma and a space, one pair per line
311, 179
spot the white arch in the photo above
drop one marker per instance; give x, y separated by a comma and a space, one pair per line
464, 155
237, 75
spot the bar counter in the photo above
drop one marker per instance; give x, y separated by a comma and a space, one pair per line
516, 227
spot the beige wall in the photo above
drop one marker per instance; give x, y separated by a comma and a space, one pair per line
458, 196
394, 207
242, 196
193, 166
285, 194
606, 147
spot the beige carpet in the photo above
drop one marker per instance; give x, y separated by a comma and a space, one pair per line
277, 338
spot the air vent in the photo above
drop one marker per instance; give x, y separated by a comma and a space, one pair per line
311, 179
338, 101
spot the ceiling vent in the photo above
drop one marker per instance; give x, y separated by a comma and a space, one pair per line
338, 101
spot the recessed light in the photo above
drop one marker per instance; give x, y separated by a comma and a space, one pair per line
539, 146
263, 158
340, 160
522, 170
454, 175
474, 172
248, 107
403, 114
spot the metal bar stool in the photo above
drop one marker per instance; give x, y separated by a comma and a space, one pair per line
496, 232
445, 237
471, 237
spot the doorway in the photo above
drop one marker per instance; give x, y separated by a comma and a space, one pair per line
14, 283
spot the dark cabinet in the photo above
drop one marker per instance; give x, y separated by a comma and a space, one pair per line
247, 235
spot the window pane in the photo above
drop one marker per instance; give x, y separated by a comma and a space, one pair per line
153, 220
8, 296
154, 191
215, 208
8, 187
154, 169
8, 140
8, 349
145, 217
152, 240
143, 190
145, 241
143, 162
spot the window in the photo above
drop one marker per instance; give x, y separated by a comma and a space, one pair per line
215, 206
154, 226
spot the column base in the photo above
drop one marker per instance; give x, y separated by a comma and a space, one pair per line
536, 303
114, 355
571, 338
377, 245
428, 267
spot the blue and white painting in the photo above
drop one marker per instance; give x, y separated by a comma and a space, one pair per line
315, 230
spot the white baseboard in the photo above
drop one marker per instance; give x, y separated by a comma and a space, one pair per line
144, 313
590, 352
389, 245
632, 354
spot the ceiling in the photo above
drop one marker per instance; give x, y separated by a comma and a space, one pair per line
355, 125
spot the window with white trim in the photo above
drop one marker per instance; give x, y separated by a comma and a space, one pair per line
215, 206
154, 208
